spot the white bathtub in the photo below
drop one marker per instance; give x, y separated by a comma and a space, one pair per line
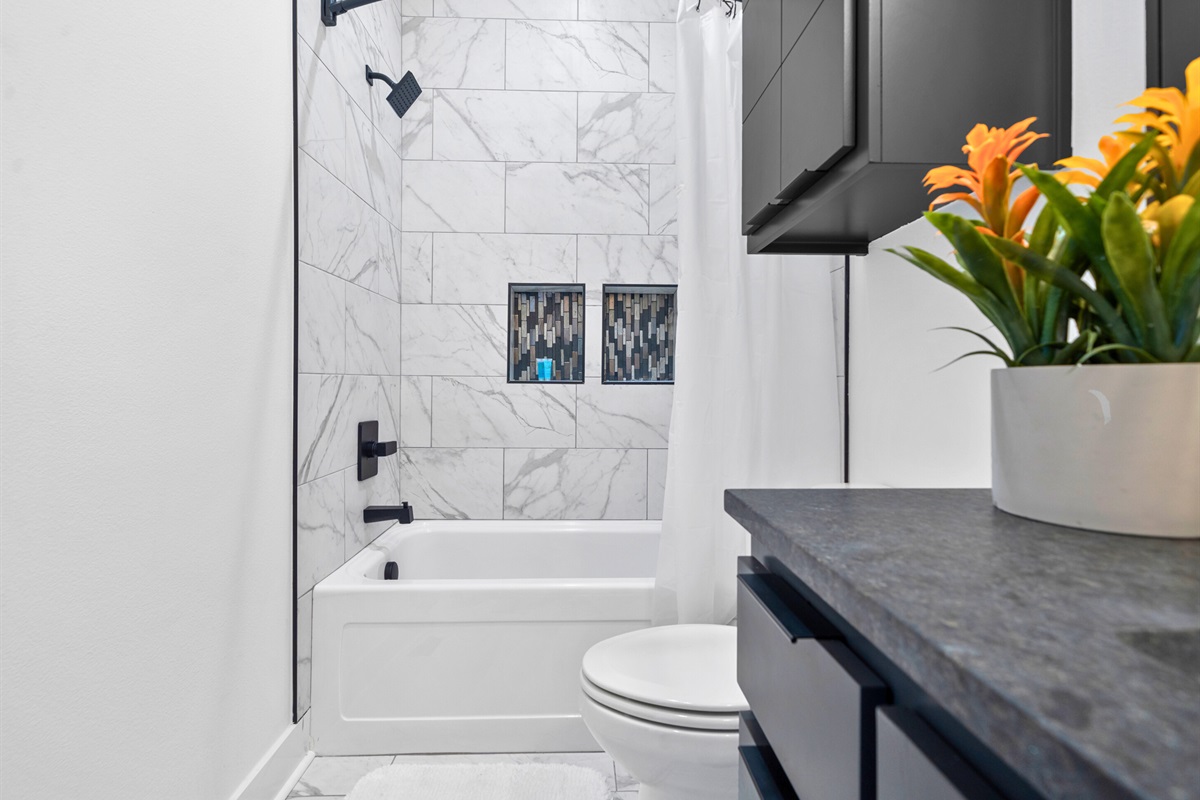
477, 647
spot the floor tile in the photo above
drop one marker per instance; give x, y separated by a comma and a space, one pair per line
333, 776
625, 781
597, 761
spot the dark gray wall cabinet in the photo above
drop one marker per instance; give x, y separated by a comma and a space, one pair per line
848, 103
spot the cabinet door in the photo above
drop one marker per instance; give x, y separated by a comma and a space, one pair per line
818, 97
761, 50
796, 16
760, 160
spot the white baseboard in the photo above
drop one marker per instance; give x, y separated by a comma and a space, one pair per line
280, 767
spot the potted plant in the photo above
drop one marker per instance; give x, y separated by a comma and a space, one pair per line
1096, 419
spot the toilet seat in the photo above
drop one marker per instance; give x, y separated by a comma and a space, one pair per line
695, 720
680, 675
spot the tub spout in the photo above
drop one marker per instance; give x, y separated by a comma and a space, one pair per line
402, 513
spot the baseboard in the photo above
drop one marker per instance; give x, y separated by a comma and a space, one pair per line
280, 767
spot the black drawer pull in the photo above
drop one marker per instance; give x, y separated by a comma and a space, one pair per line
789, 623
761, 777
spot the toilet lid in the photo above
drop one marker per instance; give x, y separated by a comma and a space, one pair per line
678, 718
687, 667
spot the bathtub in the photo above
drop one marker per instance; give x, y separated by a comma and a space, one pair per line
476, 647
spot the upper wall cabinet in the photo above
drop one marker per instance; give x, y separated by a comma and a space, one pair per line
848, 103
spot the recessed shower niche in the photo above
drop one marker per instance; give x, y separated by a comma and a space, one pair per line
545, 333
639, 334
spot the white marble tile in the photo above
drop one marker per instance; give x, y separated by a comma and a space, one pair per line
329, 776
416, 411
453, 196
662, 57
576, 198
626, 259
451, 483
372, 333
320, 532
575, 484
322, 322
324, 125
630, 10
446, 53
625, 781
600, 762
304, 654
416, 8
507, 9
489, 412
626, 127
453, 340
664, 199
344, 49
329, 408
476, 125
381, 490
656, 483
383, 23
416, 266
613, 415
477, 267
577, 56
341, 234
383, 168
416, 128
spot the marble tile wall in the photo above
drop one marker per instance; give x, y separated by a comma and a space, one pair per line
541, 151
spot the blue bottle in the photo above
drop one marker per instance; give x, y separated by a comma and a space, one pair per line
545, 369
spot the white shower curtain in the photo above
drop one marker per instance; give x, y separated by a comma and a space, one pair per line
756, 372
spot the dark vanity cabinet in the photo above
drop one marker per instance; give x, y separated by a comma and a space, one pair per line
848, 103
823, 724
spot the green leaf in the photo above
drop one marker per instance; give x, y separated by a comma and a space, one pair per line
1009, 324
1181, 258
977, 258
1063, 278
1143, 354
1132, 257
1044, 230
1007, 361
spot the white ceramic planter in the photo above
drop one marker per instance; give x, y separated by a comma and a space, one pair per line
1111, 448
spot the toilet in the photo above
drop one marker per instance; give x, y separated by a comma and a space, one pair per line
664, 703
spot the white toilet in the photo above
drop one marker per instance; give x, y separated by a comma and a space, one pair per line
664, 703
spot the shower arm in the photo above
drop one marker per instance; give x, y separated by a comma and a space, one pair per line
371, 76
331, 10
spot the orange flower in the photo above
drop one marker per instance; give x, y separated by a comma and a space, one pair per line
1173, 114
992, 154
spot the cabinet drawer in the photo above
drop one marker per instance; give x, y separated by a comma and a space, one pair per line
796, 16
812, 697
759, 776
913, 761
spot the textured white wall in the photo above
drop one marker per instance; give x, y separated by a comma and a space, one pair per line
147, 394
909, 424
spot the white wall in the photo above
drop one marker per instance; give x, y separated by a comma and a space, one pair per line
909, 424
147, 395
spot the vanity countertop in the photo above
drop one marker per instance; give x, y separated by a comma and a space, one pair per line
1074, 656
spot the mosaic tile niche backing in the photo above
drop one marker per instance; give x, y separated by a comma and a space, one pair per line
546, 321
639, 334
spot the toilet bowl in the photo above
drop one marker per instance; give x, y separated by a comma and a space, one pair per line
664, 703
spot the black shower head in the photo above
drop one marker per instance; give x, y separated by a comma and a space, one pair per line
402, 95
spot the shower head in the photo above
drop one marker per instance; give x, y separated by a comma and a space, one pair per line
402, 95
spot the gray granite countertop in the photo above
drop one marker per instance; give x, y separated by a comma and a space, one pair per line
1074, 656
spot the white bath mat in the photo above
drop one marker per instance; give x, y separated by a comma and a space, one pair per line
481, 782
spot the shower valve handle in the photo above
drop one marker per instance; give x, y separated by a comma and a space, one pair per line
379, 449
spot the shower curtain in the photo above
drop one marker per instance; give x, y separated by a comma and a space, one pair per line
756, 373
